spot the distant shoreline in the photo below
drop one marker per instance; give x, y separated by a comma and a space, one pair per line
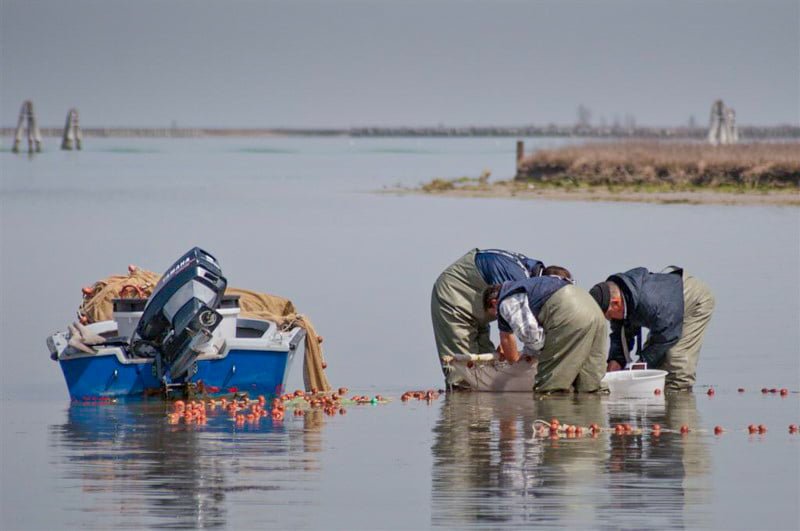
746, 132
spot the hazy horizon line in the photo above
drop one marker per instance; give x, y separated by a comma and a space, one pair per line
699, 125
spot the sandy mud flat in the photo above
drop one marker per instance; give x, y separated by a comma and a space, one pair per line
516, 190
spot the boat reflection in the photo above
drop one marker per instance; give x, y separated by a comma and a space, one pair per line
130, 461
489, 467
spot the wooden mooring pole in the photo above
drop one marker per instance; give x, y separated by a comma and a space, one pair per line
722, 125
520, 152
72, 132
27, 124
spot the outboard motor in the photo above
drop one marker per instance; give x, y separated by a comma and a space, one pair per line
180, 315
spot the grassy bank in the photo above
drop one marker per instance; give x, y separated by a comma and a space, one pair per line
652, 172
666, 166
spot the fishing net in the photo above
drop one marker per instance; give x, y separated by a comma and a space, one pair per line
480, 372
98, 299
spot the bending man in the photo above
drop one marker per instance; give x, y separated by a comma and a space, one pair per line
676, 308
460, 324
557, 321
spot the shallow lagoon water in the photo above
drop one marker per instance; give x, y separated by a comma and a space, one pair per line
297, 217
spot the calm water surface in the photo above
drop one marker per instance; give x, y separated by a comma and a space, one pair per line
296, 217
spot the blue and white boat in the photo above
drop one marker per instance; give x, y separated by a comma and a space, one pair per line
185, 332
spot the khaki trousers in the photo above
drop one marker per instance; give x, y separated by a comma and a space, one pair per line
460, 324
576, 343
681, 360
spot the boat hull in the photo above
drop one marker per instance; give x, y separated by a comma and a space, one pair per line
104, 376
108, 375
261, 372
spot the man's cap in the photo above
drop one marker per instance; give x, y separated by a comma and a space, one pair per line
601, 293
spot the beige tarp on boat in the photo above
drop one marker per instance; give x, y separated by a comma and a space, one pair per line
283, 312
98, 300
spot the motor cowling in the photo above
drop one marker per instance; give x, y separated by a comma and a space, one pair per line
180, 314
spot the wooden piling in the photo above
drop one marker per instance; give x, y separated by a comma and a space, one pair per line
520, 151
26, 124
72, 132
722, 125
20, 129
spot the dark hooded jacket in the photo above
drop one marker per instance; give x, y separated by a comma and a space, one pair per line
653, 301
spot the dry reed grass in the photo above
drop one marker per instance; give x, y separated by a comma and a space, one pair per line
753, 165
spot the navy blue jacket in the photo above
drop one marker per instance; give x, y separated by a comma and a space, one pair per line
538, 289
653, 301
497, 266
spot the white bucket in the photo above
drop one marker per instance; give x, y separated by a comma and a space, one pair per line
634, 383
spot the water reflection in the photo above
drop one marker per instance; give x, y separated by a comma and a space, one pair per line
489, 468
131, 463
657, 480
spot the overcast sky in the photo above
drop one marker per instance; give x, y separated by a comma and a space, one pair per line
300, 63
